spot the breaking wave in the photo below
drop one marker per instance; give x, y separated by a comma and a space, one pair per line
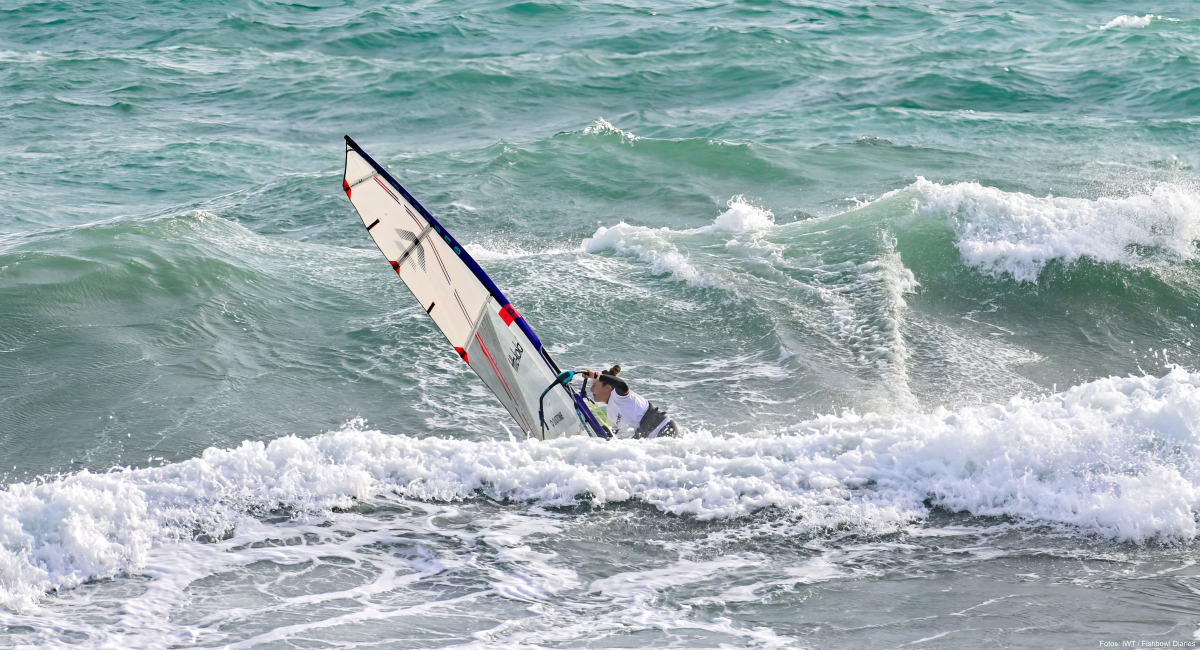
602, 127
741, 217
1016, 234
1116, 457
1132, 22
654, 245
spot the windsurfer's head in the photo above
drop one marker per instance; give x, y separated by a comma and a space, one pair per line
606, 384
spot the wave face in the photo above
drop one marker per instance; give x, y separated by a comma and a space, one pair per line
921, 282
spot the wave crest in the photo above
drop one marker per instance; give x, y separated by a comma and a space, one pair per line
1132, 22
1017, 234
741, 217
602, 127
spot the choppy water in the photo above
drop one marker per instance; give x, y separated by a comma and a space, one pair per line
922, 280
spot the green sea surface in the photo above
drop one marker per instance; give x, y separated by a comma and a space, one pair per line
920, 279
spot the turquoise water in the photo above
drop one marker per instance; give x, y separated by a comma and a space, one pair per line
921, 280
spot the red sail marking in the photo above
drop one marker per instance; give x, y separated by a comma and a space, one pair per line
386, 189
346, 186
520, 417
439, 259
414, 217
494, 368
396, 266
397, 200
508, 314
462, 353
464, 309
419, 225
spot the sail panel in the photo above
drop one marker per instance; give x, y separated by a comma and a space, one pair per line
485, 330
445, 287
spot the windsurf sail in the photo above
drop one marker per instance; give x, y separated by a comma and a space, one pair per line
484, 328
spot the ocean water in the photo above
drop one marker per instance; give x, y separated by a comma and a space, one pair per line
921, 280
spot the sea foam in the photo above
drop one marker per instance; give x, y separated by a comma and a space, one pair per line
654, 245
1017, 234
1116, 457
740, 217
1134, 22
602, 127
649, 245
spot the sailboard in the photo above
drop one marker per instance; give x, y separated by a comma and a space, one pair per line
482, 326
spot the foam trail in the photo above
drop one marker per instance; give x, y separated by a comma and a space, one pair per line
654, 246
1131, 22
1116, 456
1017, 234
650, 246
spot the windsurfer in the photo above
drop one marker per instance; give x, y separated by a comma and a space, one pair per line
632, 416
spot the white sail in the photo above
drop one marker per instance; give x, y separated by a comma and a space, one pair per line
484, 329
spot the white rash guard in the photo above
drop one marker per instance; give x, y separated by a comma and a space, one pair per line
626, 413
